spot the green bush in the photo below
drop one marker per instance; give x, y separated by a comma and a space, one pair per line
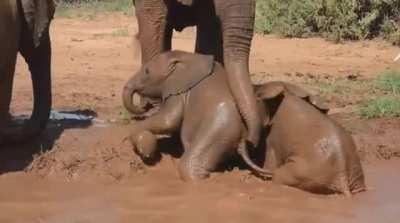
335, 19
286, 17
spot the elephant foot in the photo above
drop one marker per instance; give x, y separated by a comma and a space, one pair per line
18, 134
5, 120
193, 175
145, 144
192, 170
11, 135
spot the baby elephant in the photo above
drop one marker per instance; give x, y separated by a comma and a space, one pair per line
305, 148
192, 95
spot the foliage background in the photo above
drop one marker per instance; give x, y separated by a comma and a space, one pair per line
335, 19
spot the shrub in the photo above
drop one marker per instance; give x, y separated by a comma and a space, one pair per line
336, 19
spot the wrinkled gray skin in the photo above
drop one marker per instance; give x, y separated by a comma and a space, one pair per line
193, 96
224, 29
24, 28
305, 148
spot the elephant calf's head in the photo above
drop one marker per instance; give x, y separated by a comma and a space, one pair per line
167, 74
273, 93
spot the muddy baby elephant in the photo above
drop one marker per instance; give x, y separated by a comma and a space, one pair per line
305, 148
193, 97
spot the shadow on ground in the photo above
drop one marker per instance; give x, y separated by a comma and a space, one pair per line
17, 157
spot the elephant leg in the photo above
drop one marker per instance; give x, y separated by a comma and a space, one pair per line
166, 121
213, 143
7, 69
203, 158
39, 63
310, 176
289, 173
9, 38
237, 20
209, 42
191, 166
271, 161
154, 31
146, 144
209, 35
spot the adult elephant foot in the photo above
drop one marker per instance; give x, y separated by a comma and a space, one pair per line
5, 119
13, 133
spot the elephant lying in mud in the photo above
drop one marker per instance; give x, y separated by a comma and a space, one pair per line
224, 29
194, 98
24, 28
305, 148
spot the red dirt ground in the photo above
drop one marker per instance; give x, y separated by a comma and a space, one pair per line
80, 173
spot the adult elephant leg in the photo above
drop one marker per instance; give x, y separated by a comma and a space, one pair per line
154, 32
9, 37
237, 18
209, 35
39, 63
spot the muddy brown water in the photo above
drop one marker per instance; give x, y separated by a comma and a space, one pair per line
158, 195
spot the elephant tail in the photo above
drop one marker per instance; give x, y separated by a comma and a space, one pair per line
242, 150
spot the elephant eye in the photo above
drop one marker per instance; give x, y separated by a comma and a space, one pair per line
146, 71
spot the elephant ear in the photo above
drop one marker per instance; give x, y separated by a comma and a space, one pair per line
188, 70
38, 14
186, 2
270, 90
295, 90
274, 89
319, 104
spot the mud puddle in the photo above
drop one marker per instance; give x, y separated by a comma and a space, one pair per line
66, 117
89, 174
159, 196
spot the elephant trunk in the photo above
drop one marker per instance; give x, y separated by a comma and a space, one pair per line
132, 100
242, 150
238, 27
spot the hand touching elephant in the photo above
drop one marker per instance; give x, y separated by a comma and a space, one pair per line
305, 148
194, 98
224, 29
24, 28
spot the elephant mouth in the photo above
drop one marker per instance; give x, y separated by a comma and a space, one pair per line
144, 106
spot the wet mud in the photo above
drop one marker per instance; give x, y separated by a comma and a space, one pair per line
92, 175
159, 196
